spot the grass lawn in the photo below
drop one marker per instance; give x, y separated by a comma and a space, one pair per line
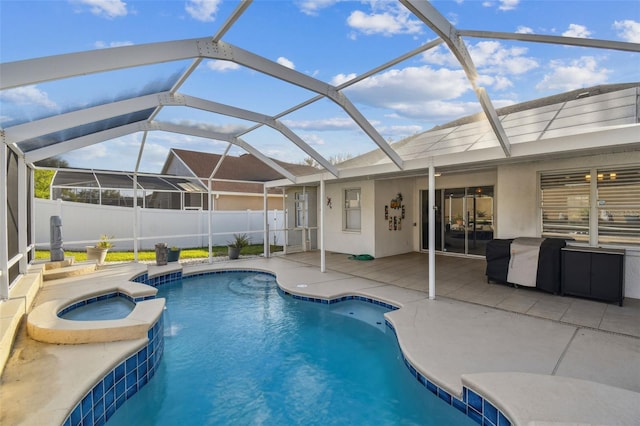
188, 253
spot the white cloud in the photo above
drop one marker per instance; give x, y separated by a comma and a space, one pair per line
574, 74
106, 8
628, 30
202, 10
103, 44
325, 124
28, 95
493, 60
342, 78
226, 128
285, 62
508, 4
391, 19
524, 30
494, 57
312, 7
314, 139
576, 30
222, 66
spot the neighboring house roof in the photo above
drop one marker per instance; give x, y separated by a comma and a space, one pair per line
578, 112
247, 168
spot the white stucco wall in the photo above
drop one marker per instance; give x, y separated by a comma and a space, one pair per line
396, 241
517, 202
350, 242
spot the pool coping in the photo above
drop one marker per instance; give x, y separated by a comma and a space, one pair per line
45, 325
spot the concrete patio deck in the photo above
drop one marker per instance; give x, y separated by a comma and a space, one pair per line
540, 358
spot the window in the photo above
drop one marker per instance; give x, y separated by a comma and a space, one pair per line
564, 201
352, 209
302, 220
596, 206
618, 205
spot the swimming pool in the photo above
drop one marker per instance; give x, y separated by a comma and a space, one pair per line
239, 352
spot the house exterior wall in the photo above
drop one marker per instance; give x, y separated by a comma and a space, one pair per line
246, 202
399, 239
350, 242
518, 206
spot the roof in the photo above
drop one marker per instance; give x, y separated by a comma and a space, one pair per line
246, 167
577, 112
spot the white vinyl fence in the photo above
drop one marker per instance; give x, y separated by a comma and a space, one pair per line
83, 224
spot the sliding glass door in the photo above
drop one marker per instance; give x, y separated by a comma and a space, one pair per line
464, 219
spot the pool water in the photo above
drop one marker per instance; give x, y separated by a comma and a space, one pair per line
238, 352
108, 309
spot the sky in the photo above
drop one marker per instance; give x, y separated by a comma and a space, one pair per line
329, 40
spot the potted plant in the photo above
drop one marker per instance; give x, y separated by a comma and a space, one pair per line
239, 242
98, 252
458, 219
173, 254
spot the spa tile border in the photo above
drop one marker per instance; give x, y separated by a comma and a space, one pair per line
472, 404
121, 383
101, 298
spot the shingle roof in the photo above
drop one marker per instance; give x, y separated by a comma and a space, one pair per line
245, 167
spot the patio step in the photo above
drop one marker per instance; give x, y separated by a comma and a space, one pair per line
69, 271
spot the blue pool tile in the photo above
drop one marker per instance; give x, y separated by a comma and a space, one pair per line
88, 419
120, 400
131, 380
76, 415
131, 391
119, 372
502, 420
460, 405
98, 409
120, 388
474, 400
131, 363
111, 409
87, 405
109, 380
490, 412
432, 387
474, 415
444, 395
109, 397
97, 392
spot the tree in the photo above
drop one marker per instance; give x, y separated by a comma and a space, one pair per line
334, 159
42, 178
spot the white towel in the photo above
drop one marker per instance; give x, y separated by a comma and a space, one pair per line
523, 265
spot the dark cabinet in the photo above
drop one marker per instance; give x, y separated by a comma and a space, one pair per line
593, 273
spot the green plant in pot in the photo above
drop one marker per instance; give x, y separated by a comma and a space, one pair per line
98, 252
239, 242
173, 255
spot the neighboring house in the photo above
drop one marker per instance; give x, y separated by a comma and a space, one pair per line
573, 172
238, 182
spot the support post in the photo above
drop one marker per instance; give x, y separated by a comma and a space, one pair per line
210, 216
23, 221
322, 207
4, 247
135, 216
432, 232
266, 221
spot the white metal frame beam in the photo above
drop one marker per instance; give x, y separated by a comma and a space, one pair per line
21, 73
21, 132
451, 36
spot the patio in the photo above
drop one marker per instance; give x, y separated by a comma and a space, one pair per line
463, 279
